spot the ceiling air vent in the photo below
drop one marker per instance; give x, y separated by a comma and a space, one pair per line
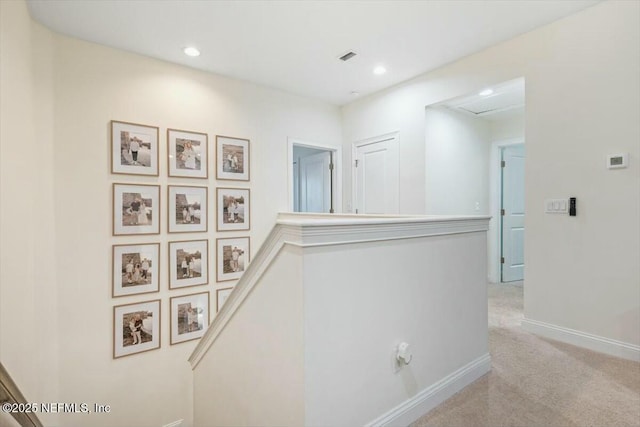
347, 56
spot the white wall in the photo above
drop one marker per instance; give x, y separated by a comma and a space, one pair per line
58, 97
582, 103
253, 374
339, 296
508, 127
457, 163
28, 284
94, 85
362, 300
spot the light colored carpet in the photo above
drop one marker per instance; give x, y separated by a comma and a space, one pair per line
540, 382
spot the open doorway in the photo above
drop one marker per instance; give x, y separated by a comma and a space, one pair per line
466, 138
314, 177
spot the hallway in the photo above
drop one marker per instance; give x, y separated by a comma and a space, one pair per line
539, 382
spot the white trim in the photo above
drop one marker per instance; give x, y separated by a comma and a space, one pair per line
395, 136
337, 167
312, 230
432, 396
327, 230
174, 424
583, 339
495, 197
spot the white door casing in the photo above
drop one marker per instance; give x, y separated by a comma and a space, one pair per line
293, 172
376, 175
513, 213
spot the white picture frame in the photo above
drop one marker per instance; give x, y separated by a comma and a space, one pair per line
125, 333
188, 154
232, 257
221, 297
135, 269
136, 209
233, 209
190, 317
187, 206
232, 158
134, 149
188, 263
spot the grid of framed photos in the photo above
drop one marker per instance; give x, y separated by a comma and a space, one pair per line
139, 264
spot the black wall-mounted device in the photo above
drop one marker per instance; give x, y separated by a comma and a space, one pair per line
572, 206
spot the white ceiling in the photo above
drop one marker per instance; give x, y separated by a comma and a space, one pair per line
506, 101
294, 45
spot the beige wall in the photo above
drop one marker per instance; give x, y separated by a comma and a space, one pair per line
28, 284
583, 103
457, 150
253, 374
58, 97
94, 85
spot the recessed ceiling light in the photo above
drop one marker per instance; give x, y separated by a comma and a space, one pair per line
355, 93
379, 70
191, 51
486, 92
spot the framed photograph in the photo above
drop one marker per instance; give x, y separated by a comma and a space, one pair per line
187, 209
135, 269
136, 209
232, 158
221, 297
134, 149
232, 258
188, 153
136, 328
233, 211
188, 263
189, 317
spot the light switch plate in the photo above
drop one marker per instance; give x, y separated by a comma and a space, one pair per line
556, 206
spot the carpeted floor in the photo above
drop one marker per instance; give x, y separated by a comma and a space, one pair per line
540, 382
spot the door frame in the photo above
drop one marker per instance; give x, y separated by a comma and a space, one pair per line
495, 227
337, 170
395, 136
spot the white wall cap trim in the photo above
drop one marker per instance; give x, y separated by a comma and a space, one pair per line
582, 339
312, 230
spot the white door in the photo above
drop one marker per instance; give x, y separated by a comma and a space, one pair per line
513, 213
315, 183
377, 175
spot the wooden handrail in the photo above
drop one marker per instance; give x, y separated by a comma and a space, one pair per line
10, 393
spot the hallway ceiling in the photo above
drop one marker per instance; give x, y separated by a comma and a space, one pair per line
294, 45
506, 101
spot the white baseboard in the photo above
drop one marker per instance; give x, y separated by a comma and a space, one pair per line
583, 339
412, 409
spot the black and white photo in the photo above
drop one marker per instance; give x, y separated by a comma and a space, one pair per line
232, 258
189, 317
135, 209
135, 269
232, 158
187, 209
233, 211
136, 328
188, 154
134, 149
188, 263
